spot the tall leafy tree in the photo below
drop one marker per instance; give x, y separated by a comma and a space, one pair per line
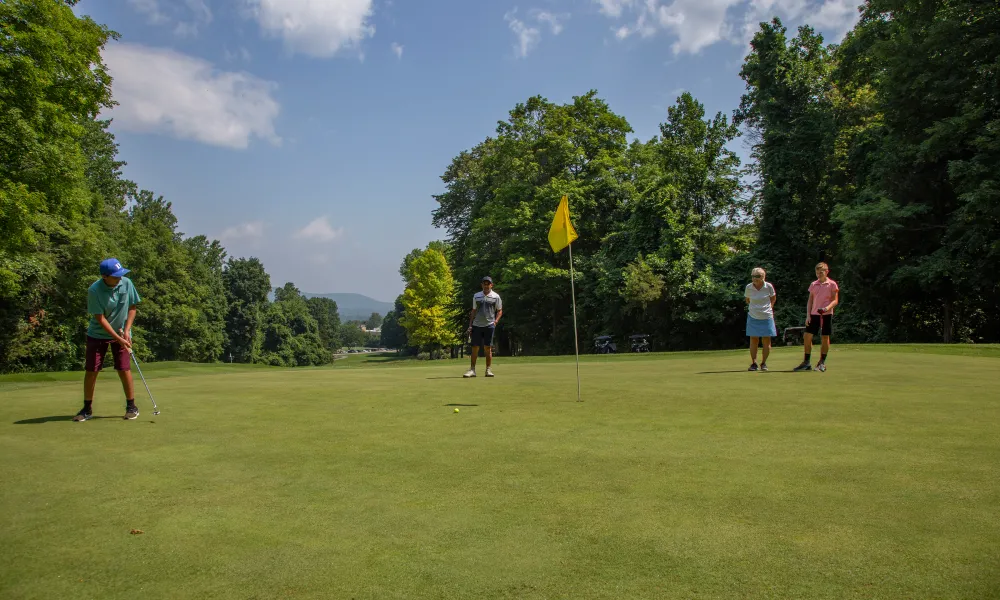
428, 319
921, 231
393, 333
788, 109
291, 334
327, 316
52, 86
247, 286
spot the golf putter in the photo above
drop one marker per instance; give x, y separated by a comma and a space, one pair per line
156, 411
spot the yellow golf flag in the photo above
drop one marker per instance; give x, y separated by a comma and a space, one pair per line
561, 234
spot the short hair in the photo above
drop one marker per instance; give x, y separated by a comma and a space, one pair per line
760, 271
823, 265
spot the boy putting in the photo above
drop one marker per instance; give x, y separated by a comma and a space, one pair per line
824, 295
486, 311
111, 302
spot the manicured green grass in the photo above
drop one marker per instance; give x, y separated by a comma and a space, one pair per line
679, 476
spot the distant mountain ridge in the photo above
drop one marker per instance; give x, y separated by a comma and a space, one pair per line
351, 307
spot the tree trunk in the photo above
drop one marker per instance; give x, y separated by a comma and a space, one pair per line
947, 322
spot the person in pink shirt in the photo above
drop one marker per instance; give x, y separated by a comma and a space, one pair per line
824, 296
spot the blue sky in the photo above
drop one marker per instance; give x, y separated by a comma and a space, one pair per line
313, 133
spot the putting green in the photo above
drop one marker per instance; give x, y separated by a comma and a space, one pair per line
679, 476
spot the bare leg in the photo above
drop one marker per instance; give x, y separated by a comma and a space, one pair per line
825, 347
475, 355
766, 350
89, 383
807, 341
489, 356
753, 349
127, 384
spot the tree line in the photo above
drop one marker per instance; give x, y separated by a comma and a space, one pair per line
65, 205
879, 155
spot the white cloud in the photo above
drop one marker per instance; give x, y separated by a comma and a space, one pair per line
527, 37
554, 21
697, 24
163, 91
397, 49
319, 230
836, 17
187, 17
254, 230
240, 54
319, 28
613, 8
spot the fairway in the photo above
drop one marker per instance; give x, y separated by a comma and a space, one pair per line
679, 476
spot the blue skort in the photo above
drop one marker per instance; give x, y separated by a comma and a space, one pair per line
761, 327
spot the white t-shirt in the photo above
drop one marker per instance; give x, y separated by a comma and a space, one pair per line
486, 307
760, 300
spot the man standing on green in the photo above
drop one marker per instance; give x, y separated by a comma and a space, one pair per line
486, 311
111, 303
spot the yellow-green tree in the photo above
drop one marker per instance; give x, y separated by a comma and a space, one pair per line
428, 318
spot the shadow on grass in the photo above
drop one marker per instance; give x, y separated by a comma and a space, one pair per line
449, 377
461, 405
53, 419
737, 371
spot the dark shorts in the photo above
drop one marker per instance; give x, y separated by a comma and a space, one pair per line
97, 349
482, 336
820, 322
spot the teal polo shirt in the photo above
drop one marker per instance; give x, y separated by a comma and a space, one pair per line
113, 303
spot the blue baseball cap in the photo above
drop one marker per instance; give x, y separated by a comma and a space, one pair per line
111, 267
488, 278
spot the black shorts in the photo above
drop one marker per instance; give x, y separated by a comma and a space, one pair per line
482, 336
820, 322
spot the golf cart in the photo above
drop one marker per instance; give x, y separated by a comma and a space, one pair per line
639, 342
604, 344
793, 336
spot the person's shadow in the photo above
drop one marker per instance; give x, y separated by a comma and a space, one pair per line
53, 418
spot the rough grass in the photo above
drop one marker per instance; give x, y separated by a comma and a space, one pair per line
679, 476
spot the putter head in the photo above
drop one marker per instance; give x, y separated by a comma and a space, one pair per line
156, 412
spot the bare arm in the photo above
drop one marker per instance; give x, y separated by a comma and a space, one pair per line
497, 320
103, 322
836, 301
773, 298
809, 308
128, 322
472, 317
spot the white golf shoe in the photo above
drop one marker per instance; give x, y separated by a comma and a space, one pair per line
489, 372
470, 373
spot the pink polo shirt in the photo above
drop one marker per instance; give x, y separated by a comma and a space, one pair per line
823, 294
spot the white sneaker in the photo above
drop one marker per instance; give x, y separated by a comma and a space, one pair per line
489, 372
472, 373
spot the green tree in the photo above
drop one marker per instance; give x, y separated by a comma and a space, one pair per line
352, 336
428, 320
393, 333
920, 232
247, 286
324, 310
374, 321
291, 334
790, 115
182, 315
52, 86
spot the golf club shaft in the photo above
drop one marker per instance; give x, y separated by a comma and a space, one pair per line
132, 354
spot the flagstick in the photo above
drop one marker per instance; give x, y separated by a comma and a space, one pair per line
576, 337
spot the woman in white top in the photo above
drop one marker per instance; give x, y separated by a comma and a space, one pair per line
760, 317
